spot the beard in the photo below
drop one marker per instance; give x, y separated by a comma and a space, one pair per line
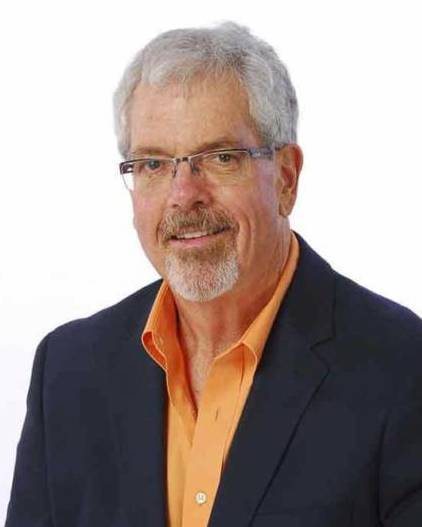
200, 274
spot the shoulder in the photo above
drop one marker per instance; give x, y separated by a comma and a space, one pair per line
378, 339
372, 344
357, 316
115, 322
360, 310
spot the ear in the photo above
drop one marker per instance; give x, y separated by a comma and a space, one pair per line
289, 162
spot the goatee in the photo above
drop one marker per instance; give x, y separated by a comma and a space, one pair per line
201, 274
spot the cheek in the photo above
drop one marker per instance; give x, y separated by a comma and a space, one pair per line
259, 210
259, 223
145, 219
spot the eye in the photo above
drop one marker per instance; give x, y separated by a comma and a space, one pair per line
224, 157
152, 164
148, 167
222, 162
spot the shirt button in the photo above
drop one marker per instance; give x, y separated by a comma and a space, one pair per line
200, 498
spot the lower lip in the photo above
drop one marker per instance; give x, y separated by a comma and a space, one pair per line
196, 242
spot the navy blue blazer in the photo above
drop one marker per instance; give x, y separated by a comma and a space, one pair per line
330, 436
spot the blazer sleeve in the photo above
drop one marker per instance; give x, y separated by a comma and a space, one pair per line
400, 499
29, 504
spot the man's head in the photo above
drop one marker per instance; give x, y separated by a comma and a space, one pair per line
217, 222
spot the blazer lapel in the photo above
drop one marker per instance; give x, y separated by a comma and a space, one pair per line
288, 376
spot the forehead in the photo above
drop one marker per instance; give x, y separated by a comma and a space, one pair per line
179, 118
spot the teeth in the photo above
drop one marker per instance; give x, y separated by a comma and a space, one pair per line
189, 235
198, 234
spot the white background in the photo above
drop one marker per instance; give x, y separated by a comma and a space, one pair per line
67, 244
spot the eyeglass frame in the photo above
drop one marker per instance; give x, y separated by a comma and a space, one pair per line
260, 152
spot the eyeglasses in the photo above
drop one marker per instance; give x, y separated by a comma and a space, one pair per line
219, 165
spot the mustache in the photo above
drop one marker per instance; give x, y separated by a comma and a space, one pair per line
200, 219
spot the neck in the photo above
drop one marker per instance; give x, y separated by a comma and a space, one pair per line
209, 328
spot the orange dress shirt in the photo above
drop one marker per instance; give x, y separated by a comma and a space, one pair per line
198, 445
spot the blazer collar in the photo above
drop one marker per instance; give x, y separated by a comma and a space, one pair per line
288, 375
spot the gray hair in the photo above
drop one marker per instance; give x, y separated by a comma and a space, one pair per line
181, 55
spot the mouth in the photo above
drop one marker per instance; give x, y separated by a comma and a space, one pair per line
196, 238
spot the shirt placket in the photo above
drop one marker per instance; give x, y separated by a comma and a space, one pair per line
215, 416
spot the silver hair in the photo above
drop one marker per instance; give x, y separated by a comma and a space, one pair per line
181, 55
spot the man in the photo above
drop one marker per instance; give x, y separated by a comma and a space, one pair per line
254, 385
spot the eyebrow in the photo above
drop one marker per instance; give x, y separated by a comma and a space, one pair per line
222, 142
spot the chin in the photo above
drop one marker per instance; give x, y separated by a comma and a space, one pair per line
201, 281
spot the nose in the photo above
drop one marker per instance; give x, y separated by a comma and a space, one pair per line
189, 188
